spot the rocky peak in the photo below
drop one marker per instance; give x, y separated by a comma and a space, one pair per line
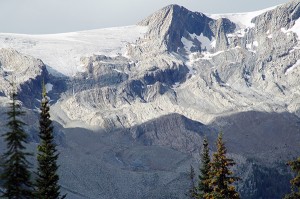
283, 16
223, 27
22, 67
173, 22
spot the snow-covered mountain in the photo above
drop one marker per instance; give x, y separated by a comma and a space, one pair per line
131, 105
62, 52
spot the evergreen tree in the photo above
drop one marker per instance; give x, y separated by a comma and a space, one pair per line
16, 174
47, 177
295, 182
193, 190
221, 178
203, 183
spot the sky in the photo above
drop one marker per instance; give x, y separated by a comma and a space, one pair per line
57, 16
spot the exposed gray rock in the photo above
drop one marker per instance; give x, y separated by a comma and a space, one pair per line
281, 17
17, 68
221, 38
172, 22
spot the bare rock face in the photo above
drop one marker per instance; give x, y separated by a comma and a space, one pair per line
173, 22
222, 27
25, 72
18, 67
281, 17
172, 130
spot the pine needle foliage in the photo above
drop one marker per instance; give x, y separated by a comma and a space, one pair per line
221, 177
204, 178
47, 177
16, 174
193, 189
295, 182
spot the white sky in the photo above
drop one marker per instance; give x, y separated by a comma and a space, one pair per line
55, 16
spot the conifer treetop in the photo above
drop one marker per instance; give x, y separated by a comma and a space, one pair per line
16, 174
295, 182
47, 180
204, 180
221, 177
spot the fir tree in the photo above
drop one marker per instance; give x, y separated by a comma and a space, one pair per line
221, 178
295, 182
203, 183
47, 177
16, 174
193, 190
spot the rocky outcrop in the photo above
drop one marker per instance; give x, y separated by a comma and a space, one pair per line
283, 16
173, 22
223, 27
174, 131
17, 68
25, 72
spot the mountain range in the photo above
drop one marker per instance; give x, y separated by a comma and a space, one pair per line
132, 105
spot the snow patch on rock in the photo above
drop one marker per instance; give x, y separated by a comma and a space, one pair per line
209, 56
48, 87
296, 28
255, 43
187, 44
206, 43
290, 69
243, 20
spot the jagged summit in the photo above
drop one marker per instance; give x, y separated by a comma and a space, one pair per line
173, 11
168, 11
173, 22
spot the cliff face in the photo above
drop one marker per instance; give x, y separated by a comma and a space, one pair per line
197, 66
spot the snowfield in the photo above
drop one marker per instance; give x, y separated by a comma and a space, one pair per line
62, 52
243, 20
